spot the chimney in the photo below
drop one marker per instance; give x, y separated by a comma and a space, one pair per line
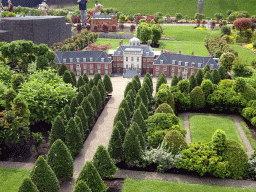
148, 43
192, 52
179, 52
120, 43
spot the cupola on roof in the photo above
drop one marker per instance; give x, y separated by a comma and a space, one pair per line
134, 41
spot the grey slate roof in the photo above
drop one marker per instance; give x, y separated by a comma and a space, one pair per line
169, 57
96, 55
101, 16
144, 49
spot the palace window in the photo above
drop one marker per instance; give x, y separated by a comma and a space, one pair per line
84, 60
165, 68
71, 60
106, 66
71, 67
157, 68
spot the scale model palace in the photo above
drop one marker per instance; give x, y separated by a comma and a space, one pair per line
133, 59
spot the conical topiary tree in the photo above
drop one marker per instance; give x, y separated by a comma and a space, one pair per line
222, 72
67, 111
136, 129
197, 98
131, 148
138, 100
92, 101
63, 117
174, 81
115, 148
91, 84
192, 81
136, 77
83, 90
81, 186
207, 68
162, 75
88, 109
97, 97
129, 87
80, 82
43, 176
138, 118
144, 96
147, 89
150, 78
73, 106
27, 186
199, 77
180, 78
73, 139
107, 83
125, 106
120, 116
80, 113
102, 90
85, 78
103, 163
148, 82
122, 130
135, 85
79, 97
73, 75
130, 92
208, 76
161, 80
62, 69
67, 78
215, 76
87, 88
143, 110
91, 177
79, 125
130, 103
57, 131
60, 160
96, 78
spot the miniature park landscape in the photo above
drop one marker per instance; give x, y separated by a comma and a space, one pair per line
63, 129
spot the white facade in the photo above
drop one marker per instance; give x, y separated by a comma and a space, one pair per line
132, 58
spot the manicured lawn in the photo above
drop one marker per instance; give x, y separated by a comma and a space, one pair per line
136, 185
188, 33
181, 121
246, 54
11, 179
248, 134
202, 128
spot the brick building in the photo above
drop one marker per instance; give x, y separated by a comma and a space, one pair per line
98, 20
89, 62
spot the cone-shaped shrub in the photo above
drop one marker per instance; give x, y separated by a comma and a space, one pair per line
120, 116
80, 82
103, 163
107, 83
81, 186
62, 69
138, 118
73, 106
67, 77
115, 148
219, 141
43, 176
88, 109
63, 117
91, 84
215, 76
136, 129
179, 77
57, 131
161, 80
208, 76
222, 72
197, 98
96, 78
192, 81
83, 89
136, 77
207, 69
125, 106
60, 160
144, 96
138, 100
67, 111
80, 113
87, 88
147, 89
85, 78
91, 177
143, 110
79, 98
102, 90
164, 108
79, 125
129, 87
132, 96
28, 186
131, 148
74, 140
73, 75
135, 85
148, 82
174, 81
199, 77
92, 101
130, 103
97, 97
150, 78
122, 130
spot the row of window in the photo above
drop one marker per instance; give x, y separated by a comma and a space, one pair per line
133, 59
118, 65
186, 63
172, 74
78, 60
173, 68
92, 72
85, 66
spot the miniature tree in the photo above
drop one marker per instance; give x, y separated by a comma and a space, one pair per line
63, 117
115, 145
184, 86
179, 77
81, 186
79, 125
226, 60
207, 87
73, 75
208, 76
83, 90
103, 163
219, 141
136, 129
161, 80
148, 91
143, 94
174, 81
148, 82
17, 80
91, 84
67, 111
108, 84
96, 78
192, 81
73, 106
215, 76
218, 16
97, 97
138, 118
80, 113
60, 160
131, 93
197, 98
138, 100
122, 130
91, 177
199, 77
207, 68
125, 106
43, 176
129, 87
130, 103
80, 82
164, 108
73, 139
62, 69
85, 78
67, 77
88, 109
135, 85
143, 110
120, 116
222, 72
79, 97
148, 75
28, 186
136, 77
102, 90
242, 23
92, 101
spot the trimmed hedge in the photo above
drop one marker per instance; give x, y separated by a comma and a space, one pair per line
57, 131
115, 145
120, 116
164, 108
138, 118
88, 109
27, 186
197, 98
108, 84
81, 186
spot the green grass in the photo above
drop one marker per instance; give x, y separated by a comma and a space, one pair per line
248, 134
202, 128
11, 179
137, 185
181, 121
246, 54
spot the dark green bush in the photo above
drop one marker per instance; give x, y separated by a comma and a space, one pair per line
184, 86
143, 94
120, 116
164, 95
136, 129
73, 106
107, 83
62, 69
240, 85
222, 72
182, 101
129, 87
80, 113
91, 84
27, 186
57, 131
138, 118
207, 87
96, 78
79, 125
219, 141
88, 109
215, 76
192, 81
208, 75
79, 98
138, 100
80, 82
102, 90
91, 99
67, 78
199, 77
97, 97
43, 176
81, 186
67, 112
130, 103
175, 80
115, 148
207, 69
197, 98
143, 111
125, 106
164, 108
91, 177
60, 160
85, 78
63, 117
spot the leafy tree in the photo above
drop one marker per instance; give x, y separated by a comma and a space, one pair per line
199, 16
199, 77
28, 186
225, 30
129, 87
42, 63
207, 87
88, 109
91, 177
102, 90
57, 131
68, 112
103, 163
43, 176
85, 78
192, 81
143, 110
79, 97
175, 81
81, 186
97, 97
130, 103
73, 75
226, 60
125, 106
108, 84
138, 118
207, 68
120, 116
91, 84
184, 86
67, 78
80, 113
178, 16
80, 82
197, 98
215, 76
242, 23
92, 101
73, 106
96, 78
115, 145
156, 32
144, 33
136, 129
138, 100
73, 139
144, 97
208, 76
218, 16
60, 160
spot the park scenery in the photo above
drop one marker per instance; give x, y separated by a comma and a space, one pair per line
148, 96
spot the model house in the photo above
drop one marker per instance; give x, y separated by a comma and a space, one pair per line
98, 20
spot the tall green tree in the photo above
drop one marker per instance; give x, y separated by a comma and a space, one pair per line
28, 185
62, 69
199, 77
129, 87
192, 81
125, 106
130, 103
136, 77
102, 90
80, 113
138, 100
108, 84
143, 94
115, 148
136, 129
222, 72
175, 80
143, 110
92, 101
88, 109
81, 186
138, 118
215, 76
67, 78
207, 69
96, 78
97, 97
85, 78
79, 97
120, 116
91, 84
73, 106
80, 82
73, 75
57, 131
67, 112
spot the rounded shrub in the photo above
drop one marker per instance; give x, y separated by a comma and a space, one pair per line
197, 98
80, 82
226, 60
79, 98
115, 148
164, 95
91, 99
240, 85
43, 176
174, 81
85, 78
125, 106
62, 69
219, 140
164, 108
184, 86
143, 110
81, 186
57, 131
96, 78
102, 90
174, 141
138, 118
80, 113
207, 87
27, 186
199, 77
97, 97
192, 81
156, 138
107, 83
67, 78
73, 106
60, 160
120, 116
88, 110
136, 129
